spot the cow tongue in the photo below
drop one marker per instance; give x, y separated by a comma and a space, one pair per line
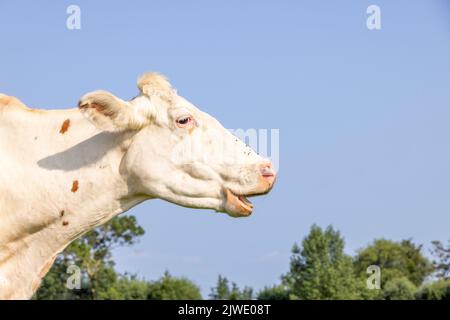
245, 200
239, 201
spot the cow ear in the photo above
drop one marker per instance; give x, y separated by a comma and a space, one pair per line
110, 113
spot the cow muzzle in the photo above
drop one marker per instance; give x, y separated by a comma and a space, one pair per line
237, 205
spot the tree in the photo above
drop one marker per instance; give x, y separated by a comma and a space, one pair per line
99, 280
442, 264
171, 288
438, 290
126, 287
395, 259
223, 291
319, 269
279, 292
399, 289
92, 254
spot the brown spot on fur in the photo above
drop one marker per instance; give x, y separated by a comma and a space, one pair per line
101, 108
74, 186
65, 126
65, 223
61, 213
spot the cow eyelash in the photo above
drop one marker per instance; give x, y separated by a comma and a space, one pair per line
184, 121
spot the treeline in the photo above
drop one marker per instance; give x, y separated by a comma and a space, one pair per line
318, 269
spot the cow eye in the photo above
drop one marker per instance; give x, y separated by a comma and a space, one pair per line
184, 121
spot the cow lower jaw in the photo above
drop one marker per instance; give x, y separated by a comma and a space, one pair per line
238, 205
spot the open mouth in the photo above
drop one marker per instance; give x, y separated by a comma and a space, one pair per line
239, 204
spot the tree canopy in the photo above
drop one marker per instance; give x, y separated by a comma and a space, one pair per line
224, 290
395, 259
92, 255
319, 268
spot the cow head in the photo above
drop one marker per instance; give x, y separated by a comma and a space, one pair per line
179, 153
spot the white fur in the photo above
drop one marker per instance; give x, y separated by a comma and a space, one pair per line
144, 155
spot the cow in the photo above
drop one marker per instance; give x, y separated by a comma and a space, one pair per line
65, 172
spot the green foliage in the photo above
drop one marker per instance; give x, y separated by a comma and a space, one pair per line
129, 288
438, 290
396, 260
224, 291
442, 262
399, 289
171, 288
52, 286
92, 254
221, 291
319, 268
279, 292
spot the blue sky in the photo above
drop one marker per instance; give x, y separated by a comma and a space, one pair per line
363, 115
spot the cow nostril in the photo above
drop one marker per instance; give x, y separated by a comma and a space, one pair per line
267, 170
